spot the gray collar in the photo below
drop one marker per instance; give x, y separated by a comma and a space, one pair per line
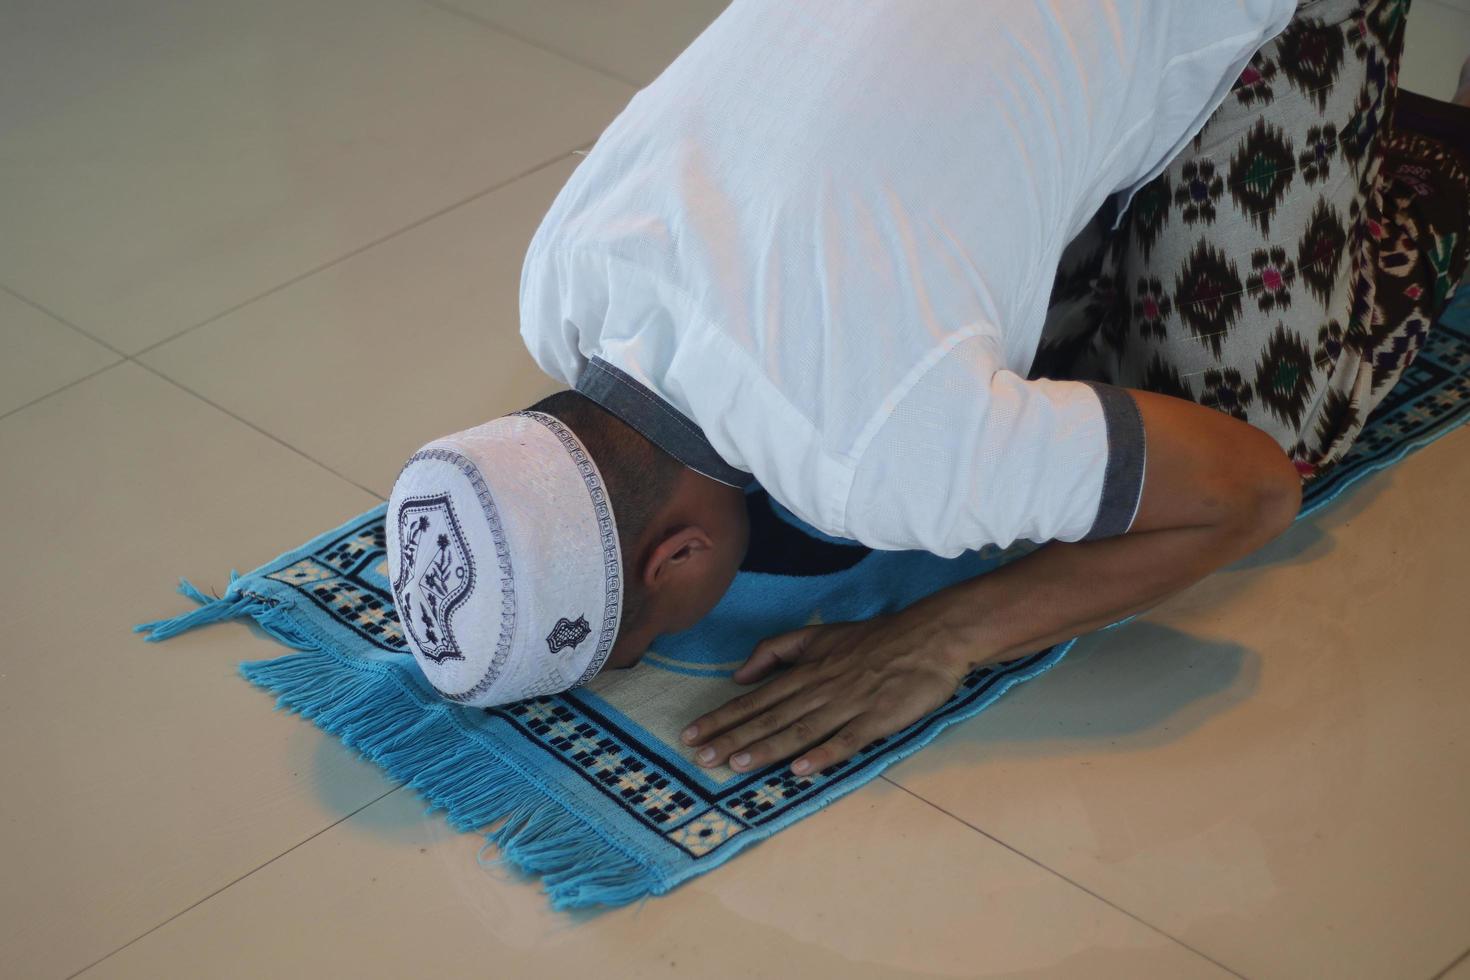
660, 422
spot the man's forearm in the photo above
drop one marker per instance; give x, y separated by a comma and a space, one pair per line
1216, 489
1064, 590
1213, 490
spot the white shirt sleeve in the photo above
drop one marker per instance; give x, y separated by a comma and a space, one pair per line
974, 455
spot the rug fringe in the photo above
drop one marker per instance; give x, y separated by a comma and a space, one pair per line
212, 609
424, 746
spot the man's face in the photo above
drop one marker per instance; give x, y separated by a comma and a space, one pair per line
697, 590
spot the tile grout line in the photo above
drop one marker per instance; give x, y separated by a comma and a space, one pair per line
125, 357
246, 422
1452, 964
234, 882
489, 24
57, 391
61, 320
216, 406
576, 150
348, 816
562, 155
1058, 874
443, 7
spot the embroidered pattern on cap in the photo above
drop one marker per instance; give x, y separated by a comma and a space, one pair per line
567, 633
436, 573
502, 558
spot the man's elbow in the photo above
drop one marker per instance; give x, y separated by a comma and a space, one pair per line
1265, 492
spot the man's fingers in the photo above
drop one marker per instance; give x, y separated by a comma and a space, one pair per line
784, 648
773, 651
747, 740
761, 662
883, 717
806, 731
848, 741
740, 709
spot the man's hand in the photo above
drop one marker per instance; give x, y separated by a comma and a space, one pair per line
1215, 490
849, 684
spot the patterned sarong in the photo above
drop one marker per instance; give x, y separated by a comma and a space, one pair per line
1286, 266
595, 792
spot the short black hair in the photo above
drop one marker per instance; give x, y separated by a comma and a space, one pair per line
639, 477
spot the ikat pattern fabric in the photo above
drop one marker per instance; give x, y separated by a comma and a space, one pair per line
1285, 268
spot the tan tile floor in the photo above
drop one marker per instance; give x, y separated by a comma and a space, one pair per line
220, 217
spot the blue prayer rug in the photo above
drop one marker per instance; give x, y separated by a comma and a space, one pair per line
596, 793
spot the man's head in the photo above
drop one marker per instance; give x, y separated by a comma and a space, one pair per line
530, 552
682, 535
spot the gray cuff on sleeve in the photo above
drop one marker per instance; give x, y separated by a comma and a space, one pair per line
1123, 479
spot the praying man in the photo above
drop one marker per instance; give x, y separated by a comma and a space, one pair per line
826, 252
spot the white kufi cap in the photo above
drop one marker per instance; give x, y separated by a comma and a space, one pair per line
504, 558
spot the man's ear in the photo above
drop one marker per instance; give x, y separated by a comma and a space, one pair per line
673, 554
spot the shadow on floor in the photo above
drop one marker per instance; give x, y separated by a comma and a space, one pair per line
1311, 537
1134, 688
